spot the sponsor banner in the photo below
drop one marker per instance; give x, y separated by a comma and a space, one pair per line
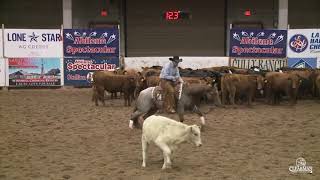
270, 64
91, 42
1, 44
302, 63
258, 43
304, 43
78, 71
187, 62
2, 72
34, 72
33, 43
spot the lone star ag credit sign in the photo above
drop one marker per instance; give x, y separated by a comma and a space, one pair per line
258, 43
33, 43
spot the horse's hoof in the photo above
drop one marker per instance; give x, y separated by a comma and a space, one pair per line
131, 124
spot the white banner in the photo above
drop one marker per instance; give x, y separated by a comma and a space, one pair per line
187, 62
2, 72
1, 44
303, 43
33, 43
270, 64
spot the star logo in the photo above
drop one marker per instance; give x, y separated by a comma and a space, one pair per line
235, 34
113, 36
33, 37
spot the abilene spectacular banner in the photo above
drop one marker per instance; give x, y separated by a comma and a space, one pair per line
100, 42
259, 43
78, 71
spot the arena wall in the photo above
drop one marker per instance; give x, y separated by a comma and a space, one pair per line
188, 62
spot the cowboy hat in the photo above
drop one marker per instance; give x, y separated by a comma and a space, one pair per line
175, 59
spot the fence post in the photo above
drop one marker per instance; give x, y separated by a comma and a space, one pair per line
5, 87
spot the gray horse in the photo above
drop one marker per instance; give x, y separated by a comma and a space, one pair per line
189, 96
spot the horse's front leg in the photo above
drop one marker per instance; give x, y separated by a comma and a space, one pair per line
202, 119
134, 121
180, 111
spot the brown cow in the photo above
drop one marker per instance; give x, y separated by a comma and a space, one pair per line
131, 72
198, 80
151, 71
112, 83
307, 83
241, 85
317, 83
145, 82
278, 83
222, 69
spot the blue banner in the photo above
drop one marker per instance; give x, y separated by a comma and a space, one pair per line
310, 63
258, 43
91, 42
78, 71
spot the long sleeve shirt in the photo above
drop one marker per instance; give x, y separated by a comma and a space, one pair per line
169, 72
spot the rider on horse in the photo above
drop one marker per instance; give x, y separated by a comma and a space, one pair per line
169, 76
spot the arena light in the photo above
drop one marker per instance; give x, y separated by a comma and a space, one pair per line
247, 12
104, 12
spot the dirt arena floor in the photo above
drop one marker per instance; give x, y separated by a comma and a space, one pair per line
60, 134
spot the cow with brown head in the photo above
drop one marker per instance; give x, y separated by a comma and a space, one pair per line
279, 84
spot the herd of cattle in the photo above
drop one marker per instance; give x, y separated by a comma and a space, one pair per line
234, 85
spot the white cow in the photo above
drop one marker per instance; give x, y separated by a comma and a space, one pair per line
167, 134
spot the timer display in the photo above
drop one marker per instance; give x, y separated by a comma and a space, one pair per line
175, 15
